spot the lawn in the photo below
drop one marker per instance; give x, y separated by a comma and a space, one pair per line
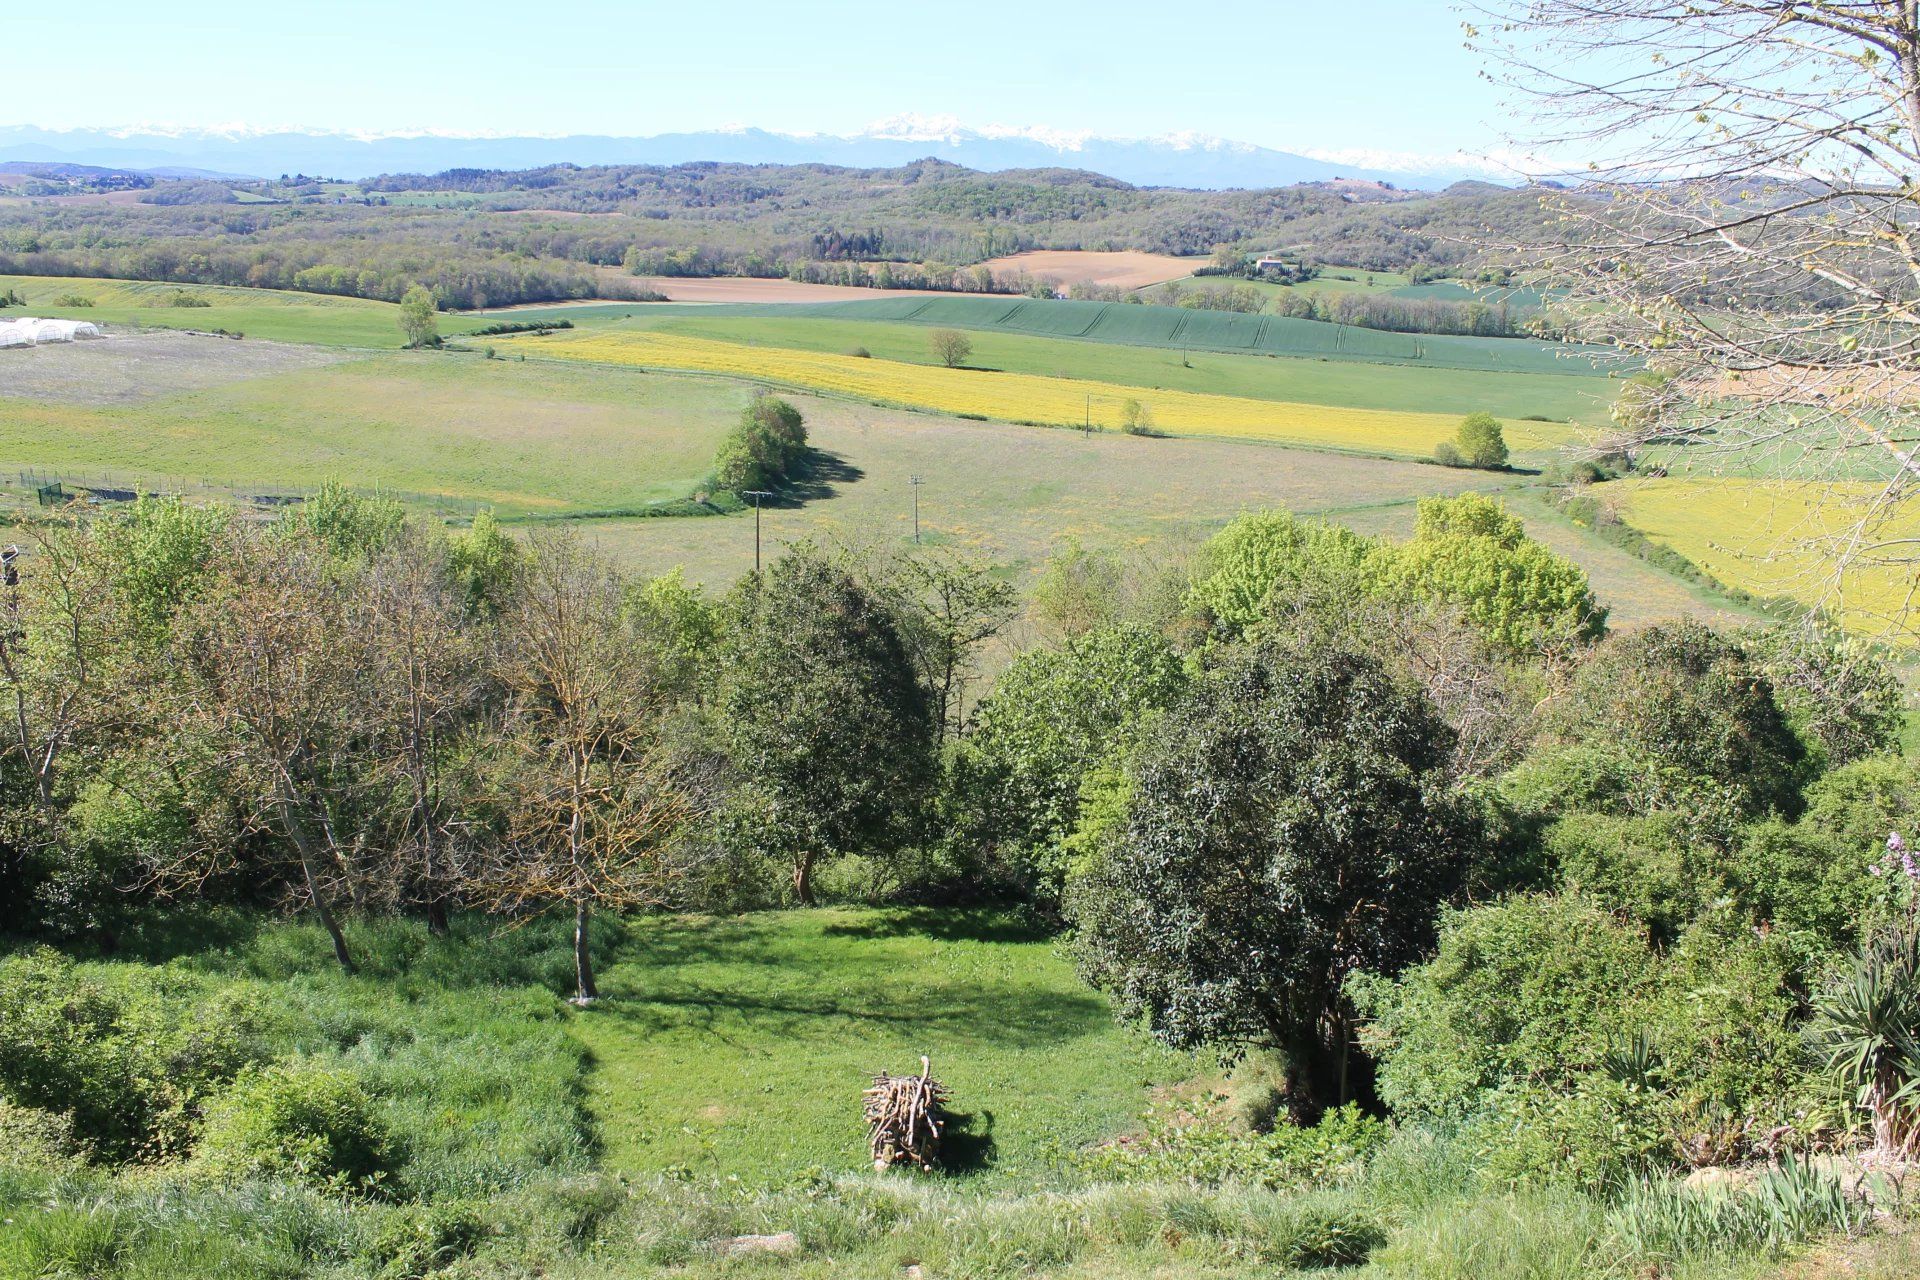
1022, 397
1393, 388
448, 429
739, 1046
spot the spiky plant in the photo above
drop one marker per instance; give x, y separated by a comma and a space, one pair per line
1869, 1024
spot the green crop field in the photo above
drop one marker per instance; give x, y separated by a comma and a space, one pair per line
1187, 329
1564, 395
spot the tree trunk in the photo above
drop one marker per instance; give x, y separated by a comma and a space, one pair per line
583, 953
302, 842
437, 916
803, 878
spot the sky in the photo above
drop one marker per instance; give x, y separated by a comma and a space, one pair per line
1365, 76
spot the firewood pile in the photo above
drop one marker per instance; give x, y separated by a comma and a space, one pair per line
905, 1115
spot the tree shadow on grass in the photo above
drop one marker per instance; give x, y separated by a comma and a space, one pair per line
1014, 1019
948, 924
815, 478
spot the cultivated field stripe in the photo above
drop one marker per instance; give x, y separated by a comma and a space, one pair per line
1019, 397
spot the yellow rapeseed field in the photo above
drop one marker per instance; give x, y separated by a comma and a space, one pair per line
1022, 397
1773, 538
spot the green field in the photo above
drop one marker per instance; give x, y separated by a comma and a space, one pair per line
1561, 395
523, 437
1186, 329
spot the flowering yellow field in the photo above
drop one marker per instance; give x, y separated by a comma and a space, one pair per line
1777, 538
1022, 397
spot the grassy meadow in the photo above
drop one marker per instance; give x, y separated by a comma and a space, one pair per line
521, 437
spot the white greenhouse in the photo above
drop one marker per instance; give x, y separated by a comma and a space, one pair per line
30, 331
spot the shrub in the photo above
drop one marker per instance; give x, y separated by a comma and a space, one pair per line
1447, 454
860, 353
298, 1120
1660, 870
1206, 1152
34, 1139
128, 1064
1681, 697
73, 300
181, 298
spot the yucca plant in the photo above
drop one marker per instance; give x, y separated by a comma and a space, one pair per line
1869, 1024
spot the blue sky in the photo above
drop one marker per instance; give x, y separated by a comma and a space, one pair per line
1374, 75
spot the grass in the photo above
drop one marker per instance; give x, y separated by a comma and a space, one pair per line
738, 1047
523, 437
1016, 495
1392, 388
273, 314
714, 1095
1018, 397
1776, 539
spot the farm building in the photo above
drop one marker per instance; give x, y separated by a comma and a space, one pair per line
30, 331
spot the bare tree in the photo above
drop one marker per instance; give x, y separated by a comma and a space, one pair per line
591, 805
952, 346
273, 657
51, 634
1750, 223
426, 683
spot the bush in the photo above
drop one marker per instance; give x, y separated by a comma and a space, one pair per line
73, 300
1447, 454
1209, 1153
1659, 870
297, 1120
128, 1064
1683, 698
1574, 1050
1271, 553
1480, 443
38, 1140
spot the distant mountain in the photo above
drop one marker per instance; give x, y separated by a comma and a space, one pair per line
1177, 160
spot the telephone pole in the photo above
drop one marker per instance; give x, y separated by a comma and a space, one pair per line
756, 495
916, 482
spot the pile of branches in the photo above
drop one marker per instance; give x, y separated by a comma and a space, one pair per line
905, 1116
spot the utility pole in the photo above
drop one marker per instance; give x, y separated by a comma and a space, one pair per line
916, 482
756, 495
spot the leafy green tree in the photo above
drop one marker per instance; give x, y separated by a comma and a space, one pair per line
1681, 697
417, 322
1266, 552
825, 719
1053, 717
1292, 822
1471, 553
352, 526
1479, 442
764, 448
485, 560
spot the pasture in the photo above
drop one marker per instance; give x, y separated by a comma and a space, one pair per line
522, 437
1016, 397
1125, 269
1187, 329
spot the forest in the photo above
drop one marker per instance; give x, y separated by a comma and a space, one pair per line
538, 235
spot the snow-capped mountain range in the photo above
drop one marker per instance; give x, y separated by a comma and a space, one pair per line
1174, 160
